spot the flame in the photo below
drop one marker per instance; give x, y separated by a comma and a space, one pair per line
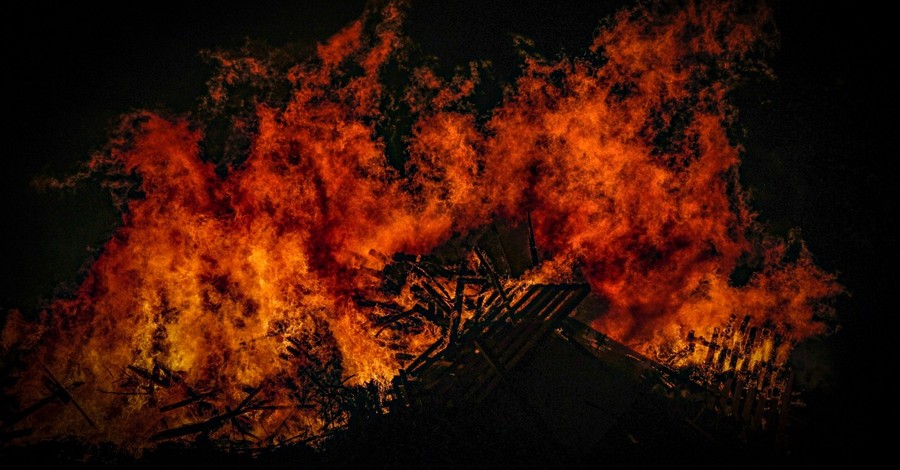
223, 284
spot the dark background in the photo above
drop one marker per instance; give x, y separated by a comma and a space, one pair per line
819, 142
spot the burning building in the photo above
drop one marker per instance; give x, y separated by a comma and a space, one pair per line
300, 276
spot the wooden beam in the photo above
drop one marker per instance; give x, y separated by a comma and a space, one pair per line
66, 396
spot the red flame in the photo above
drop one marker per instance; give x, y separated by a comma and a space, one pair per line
622, 159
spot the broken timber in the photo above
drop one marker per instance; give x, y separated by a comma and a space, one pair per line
211, 424
469, 369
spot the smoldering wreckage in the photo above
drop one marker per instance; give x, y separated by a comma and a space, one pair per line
506, 343
552, 282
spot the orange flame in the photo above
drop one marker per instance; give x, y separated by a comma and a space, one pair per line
621, 158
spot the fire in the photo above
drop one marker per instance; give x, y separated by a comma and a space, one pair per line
234, 295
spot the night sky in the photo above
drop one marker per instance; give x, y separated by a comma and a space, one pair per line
817, 140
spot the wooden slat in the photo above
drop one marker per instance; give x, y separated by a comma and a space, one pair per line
503, 343
443, 380
509, 333
500, 335
531, 336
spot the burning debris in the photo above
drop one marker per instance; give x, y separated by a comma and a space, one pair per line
487, 326
468, 369
274, 296
747, 366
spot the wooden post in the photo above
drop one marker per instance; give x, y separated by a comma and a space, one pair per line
785, 409
492, 274
532, 246
736, 397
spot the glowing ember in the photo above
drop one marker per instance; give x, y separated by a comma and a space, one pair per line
232, 296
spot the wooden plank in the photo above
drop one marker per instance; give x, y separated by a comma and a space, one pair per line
213, 423
784, 409
736, 397
531, 322
187, 401
531, 336
425, 356
532, 246
492, 274
439, 300
540, 300
456, 315
437, 383
562, 310
508, 331
476, 371
500, 341
65, 396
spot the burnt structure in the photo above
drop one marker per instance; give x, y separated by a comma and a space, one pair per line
516, 376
